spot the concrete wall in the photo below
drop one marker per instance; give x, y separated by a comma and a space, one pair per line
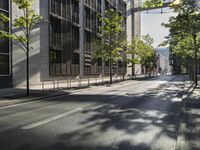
130, 31
39, 54
133, 29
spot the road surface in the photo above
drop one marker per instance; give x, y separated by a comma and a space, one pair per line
129, 115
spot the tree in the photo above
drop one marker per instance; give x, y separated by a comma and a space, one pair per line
107, 43
24, 24
123, 47
184, 33
152, 3
142, 51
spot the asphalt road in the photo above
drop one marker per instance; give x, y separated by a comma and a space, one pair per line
131, 115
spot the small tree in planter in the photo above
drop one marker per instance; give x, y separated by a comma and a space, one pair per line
107, 44
25, 24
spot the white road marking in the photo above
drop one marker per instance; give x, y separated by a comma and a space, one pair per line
116, 96
59, 116
19, 104
33, 101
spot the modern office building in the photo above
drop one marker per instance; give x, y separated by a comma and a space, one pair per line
62, 46
5, 50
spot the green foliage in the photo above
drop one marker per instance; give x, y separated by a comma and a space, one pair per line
152, 3
184, 32
148, 40
107, 46
184, 36
25, 24
142, 50
23, 4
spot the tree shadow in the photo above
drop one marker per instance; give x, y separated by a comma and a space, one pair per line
124, 145
135, 114
133, 120
191, 120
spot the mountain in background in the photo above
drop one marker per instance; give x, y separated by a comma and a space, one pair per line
163, 51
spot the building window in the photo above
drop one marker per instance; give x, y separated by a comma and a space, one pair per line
4, 46
55, 32
75, 11
66, 35
99, 6
55, 62
56, 7
88, 39
75, 59
107, 63
68, 9
4, 4
4, 43
99, 62
4, 64
75, 39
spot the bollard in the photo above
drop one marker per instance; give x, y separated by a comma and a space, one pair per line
79, 82
67, 83
88, 81
54, 86
42, 86
58, 85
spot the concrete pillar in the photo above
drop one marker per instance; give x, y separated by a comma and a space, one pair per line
81, 47
136, 28
129, 27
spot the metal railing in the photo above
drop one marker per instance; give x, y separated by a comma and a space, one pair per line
69, 83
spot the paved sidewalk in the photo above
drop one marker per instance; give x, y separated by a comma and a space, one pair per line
189, 130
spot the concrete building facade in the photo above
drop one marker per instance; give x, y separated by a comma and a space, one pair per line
62, 45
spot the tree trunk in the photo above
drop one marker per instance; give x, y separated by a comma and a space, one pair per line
195, 62
27, 53
196, 72
110, 63
123, 73
27, 73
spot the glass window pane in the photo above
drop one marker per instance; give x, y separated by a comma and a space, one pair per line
4, 46
4, 4
4, 26
4, 64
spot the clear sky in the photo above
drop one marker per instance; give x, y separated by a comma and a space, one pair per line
151, 23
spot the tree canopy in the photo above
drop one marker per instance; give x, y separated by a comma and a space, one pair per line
185, 32
107, 45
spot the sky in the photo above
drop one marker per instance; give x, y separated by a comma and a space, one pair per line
151, 23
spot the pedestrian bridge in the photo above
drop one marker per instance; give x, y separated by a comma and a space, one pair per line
166, 3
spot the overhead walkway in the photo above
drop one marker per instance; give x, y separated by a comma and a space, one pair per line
164, 5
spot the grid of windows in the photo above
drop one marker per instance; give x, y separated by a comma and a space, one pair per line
65, 35
92, 9
64, 40
4, 43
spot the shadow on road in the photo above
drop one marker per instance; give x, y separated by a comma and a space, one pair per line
136, 115
133, 121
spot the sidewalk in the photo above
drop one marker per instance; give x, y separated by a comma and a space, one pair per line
13, 96
189, 130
